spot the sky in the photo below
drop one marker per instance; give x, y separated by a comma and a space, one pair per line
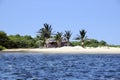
100, 18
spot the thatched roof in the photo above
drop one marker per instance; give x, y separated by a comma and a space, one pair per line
50, 40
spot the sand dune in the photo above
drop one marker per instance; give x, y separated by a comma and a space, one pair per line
73, 50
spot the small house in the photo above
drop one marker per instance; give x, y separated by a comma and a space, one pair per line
52, 43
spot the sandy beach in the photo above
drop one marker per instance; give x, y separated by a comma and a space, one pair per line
69, 50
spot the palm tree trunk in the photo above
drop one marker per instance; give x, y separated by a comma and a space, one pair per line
82, 43
68, 43
59, 44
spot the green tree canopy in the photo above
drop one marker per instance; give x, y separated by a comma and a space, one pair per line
58, 38
81, 36
67, 36
4, 40
45, 33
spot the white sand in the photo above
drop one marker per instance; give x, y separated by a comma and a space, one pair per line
73, 50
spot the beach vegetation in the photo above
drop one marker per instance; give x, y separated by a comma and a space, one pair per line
102, 43
112, 45
75, 43
45, 33
4, 40
46, 38
59, 38
91, 43
67, 36
18, 41
81, 36
2, 48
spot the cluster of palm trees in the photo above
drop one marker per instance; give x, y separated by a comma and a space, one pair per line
47, 32
82, 36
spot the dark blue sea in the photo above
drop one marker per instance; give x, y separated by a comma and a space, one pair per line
34, 66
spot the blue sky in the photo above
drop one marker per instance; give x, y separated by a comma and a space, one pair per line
101, 18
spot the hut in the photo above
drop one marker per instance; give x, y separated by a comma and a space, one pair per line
52, 43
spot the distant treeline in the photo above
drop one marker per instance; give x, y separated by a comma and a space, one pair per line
45, 33
90, 43
17, 41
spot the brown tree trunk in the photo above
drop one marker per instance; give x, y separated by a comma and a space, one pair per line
59, 44
68, 43
82, 44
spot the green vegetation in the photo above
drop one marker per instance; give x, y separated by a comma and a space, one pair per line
44, 33
90, 43
2, 48
75, 43
58, 38
82, 37
16, 41
67, 36
114, 46
4, 40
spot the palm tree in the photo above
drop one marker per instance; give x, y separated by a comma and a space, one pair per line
48, 30
82, 36
58, 38
41, 34
45, 33
67, 36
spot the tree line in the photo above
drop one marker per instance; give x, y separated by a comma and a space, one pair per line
17, 41
46, 32
43, 34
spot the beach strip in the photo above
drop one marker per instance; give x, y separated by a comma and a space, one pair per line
69, 50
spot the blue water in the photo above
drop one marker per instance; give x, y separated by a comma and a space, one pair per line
28, 66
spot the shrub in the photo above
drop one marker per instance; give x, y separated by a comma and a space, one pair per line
102, 43
92, 43
75, 43
2, 48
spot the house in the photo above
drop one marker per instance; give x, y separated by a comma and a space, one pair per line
51, 43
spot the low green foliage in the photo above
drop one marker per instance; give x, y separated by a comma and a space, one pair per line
17, 41
2, 48
75, 43
114, 46
102, 43
4, 40
90, 43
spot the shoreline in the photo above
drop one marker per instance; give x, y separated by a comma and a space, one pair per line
69, 50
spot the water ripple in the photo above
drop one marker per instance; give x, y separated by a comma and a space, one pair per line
22, 66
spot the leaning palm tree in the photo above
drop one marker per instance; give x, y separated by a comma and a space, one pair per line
58, 38
41, 34
82, 36
67, 36
45, 33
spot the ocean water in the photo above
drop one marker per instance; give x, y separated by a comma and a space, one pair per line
33, 66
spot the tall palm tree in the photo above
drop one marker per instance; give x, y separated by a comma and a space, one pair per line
58, 38
48, 30
45, 33
67, 36
82, 36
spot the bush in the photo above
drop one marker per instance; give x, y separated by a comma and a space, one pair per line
75, 43
92, 43
102, 43
2, 48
